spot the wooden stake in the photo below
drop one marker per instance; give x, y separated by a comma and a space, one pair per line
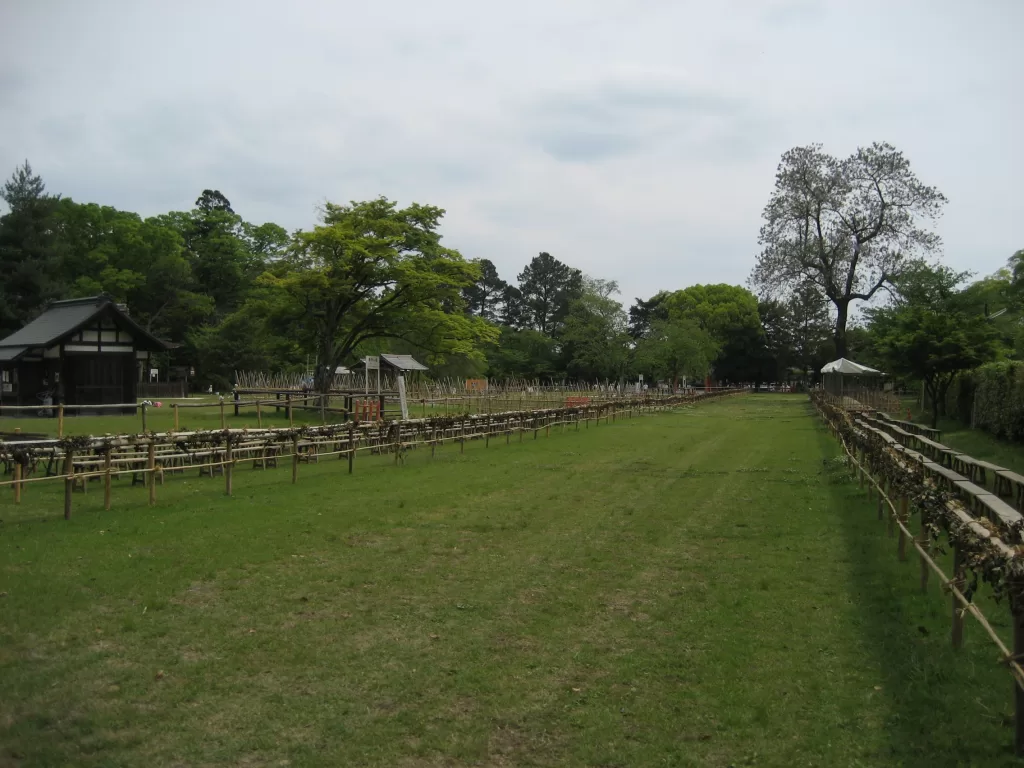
957, 631
925, 541
17, 482
295, 458
60, 420
1018, 694
229, 468
144, 410
151, 474
176, 423
223, 421
291, 420
351, 446
68, 465
106, 477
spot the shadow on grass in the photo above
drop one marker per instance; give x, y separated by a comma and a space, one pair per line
944, 707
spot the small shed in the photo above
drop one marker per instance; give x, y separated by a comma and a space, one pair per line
78, 352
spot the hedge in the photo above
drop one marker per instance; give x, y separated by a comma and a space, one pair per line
995, 393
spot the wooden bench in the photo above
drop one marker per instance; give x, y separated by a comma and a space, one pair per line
1010, 484
997, 510
949, 477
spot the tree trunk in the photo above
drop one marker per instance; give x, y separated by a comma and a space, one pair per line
931, 389
839, 334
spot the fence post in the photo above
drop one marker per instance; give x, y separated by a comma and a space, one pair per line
1018, 694
60, 420
229, 466
144, 409
925, 543
151, 472
223, 422
291, 420
176, 427
295, 458
106, 477
351, 445
901, 545
957, 632
238, 400
68, 482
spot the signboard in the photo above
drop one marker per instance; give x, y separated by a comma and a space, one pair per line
372, 362
401, 396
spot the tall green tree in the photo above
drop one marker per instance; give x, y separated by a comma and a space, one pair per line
676, 348
594, 339
483, 297
932, 332
372, 270
29, 250
548, 287
848, 226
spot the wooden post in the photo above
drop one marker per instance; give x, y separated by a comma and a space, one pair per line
957, 631
223, 421
925, 543
17, 482
238, 401
144, 409
1018, 694
901, 545
60, 420
106, 477
68, 465
259, 415
295, 458
151, 472
291, 420
176, 423
229, 467
351, 445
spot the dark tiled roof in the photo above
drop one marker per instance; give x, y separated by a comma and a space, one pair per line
62, 318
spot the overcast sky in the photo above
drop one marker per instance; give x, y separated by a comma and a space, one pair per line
634, 140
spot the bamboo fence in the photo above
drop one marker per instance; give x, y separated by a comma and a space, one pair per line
150, 459
983, 530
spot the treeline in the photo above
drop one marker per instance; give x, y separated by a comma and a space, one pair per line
369, 277
958, 338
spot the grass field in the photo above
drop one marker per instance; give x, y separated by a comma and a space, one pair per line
697, 588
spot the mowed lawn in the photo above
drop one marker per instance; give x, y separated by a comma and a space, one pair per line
698, 588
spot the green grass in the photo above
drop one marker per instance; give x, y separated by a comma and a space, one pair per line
699, 588
973, 442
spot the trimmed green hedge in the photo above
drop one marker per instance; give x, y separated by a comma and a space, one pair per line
995, 393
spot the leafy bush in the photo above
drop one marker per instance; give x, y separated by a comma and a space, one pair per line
998, 402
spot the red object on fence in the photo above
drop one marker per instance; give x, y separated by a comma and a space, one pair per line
367, 409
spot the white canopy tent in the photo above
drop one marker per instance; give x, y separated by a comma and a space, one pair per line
834, 373
842, 365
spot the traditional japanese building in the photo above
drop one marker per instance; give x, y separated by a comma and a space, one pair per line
79, 352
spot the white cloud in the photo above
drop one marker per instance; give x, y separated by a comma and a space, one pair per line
635, 140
